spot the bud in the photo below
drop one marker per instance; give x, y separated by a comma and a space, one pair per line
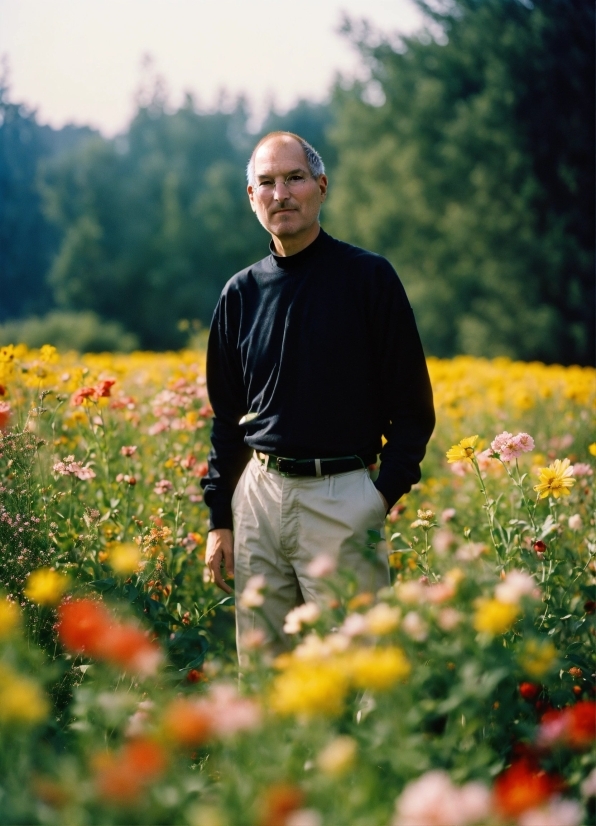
539, 546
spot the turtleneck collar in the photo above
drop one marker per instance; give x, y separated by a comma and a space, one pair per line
290, 262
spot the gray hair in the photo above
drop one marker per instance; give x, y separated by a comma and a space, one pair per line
315, 163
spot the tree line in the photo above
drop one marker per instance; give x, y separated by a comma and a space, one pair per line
466, 158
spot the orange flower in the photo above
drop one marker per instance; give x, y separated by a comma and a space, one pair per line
85, 626
121, 778
188, 722
581, 728
129, 647
522, 786
81, 624
279, 801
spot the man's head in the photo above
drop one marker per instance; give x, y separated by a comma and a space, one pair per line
286, 187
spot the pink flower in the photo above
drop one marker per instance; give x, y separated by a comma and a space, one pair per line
231, 713
557, 812
163, 486
128, 450
433, 800
511, 447
447, 514
68, 467
582, 469
321, 566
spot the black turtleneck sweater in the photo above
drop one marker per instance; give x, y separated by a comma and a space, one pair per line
322, 346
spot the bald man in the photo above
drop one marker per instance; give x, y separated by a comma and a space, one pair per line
313, 358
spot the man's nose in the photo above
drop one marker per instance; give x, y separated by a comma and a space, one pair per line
280, 191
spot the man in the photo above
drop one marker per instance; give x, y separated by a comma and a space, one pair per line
313, 357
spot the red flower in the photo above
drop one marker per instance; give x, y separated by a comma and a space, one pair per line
529, 691
79, 396
581, 727
539, 546
81, 625
129, 647
522, 786
103, 388
85, 626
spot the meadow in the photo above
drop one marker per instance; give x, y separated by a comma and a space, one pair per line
462, 695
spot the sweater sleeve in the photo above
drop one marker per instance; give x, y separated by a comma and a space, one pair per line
229, 454
409, 411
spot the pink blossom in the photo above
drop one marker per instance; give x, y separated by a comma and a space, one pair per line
322, 565
516, 585
354, 625
231, 713
158, 427
461, 468
443, 540
511, 447
128, 450
557, 812
68, 467
433, 800
448, 514
163, 486
484, 459
582, 469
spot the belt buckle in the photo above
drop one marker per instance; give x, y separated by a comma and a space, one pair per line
280, 466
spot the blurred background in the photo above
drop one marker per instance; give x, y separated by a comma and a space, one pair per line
458, 137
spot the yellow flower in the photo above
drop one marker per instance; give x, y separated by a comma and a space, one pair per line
45, 586
21, 700
308, 689
376, 668
9, 618
124, 557
494, 617
463, 451
538, 657
556, 479
338, 756
382, 619
49, 354
592, 448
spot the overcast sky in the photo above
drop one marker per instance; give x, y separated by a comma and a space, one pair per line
80, 60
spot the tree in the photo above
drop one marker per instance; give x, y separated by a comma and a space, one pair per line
27, 240
475, 175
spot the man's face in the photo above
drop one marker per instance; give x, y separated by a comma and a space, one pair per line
284, 213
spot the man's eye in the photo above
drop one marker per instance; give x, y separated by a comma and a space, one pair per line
295, 178
265, 184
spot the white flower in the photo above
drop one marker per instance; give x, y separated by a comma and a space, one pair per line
306, 614
449, 618
414, 626
304, 817
515, 585
575, 522
251, 596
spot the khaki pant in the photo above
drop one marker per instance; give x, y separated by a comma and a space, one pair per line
282, 523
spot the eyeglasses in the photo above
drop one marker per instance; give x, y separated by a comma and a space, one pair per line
294, 182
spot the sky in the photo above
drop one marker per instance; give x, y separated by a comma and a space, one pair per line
81, 61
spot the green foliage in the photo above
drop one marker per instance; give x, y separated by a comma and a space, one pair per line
475, 174
27, 240
85, 332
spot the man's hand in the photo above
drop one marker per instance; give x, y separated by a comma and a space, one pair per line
220, 547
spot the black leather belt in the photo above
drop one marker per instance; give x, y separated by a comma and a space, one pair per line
312, 467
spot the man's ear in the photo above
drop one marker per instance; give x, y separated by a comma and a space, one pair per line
251, 197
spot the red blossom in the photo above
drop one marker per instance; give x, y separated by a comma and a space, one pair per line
529, 691
103, 388
83, 393
539, 546
523, 786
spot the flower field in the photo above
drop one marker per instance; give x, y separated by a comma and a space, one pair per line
463, 695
